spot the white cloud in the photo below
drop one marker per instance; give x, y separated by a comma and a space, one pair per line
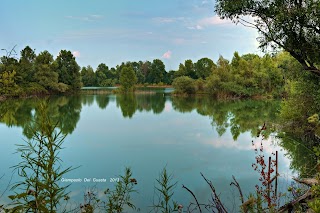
96, 16
214, 20
167, 54
85, 18
196, 27
76, 54
210, 21
163, 20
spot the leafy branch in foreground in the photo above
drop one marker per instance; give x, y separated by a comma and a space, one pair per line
121, 195
40, 169
164, 193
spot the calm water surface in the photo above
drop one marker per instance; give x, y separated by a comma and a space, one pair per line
148, 132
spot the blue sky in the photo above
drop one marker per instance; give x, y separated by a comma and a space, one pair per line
115, 31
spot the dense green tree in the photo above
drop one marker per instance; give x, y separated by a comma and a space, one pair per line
127, 79
169, 76
88, 76
112, 74
68, 70
181, 71
137, 70
26, 66
45, 74
7, 83
8, 63
100, 78
145, 69
203, 67
156, 72
101, 75
190, 69
8, 76
103, 68
220, 82
292, 25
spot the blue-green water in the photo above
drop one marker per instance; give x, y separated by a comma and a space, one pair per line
148, 132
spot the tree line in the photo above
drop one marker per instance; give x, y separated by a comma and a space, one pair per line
248, 75
38, 74
244, 76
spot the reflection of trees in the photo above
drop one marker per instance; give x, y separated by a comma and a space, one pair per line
148, 102
127, 103
249, 115
130, 103
302, 157
87, 99
184, 104
24, 112
102, 101
16, 113
239, 116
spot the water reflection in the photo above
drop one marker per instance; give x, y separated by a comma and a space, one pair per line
102, 101
24, 113
128, 104
240, 116
226, 117
303, 159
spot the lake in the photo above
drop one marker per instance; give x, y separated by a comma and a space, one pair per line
148, 132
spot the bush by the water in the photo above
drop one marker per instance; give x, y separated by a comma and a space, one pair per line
184, 85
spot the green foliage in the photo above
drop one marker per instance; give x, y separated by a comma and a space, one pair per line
246, 76
290, 25
68, 70
253, 204
41, 169
38, 74
303, 100
315, 205
156, 72
101, 75
7, 83
164, 193
120, 197
200, 85
26, 66
44, 72
88, 76
127, 79
203, 67
184, 85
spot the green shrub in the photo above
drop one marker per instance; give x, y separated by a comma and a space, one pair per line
184, 85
